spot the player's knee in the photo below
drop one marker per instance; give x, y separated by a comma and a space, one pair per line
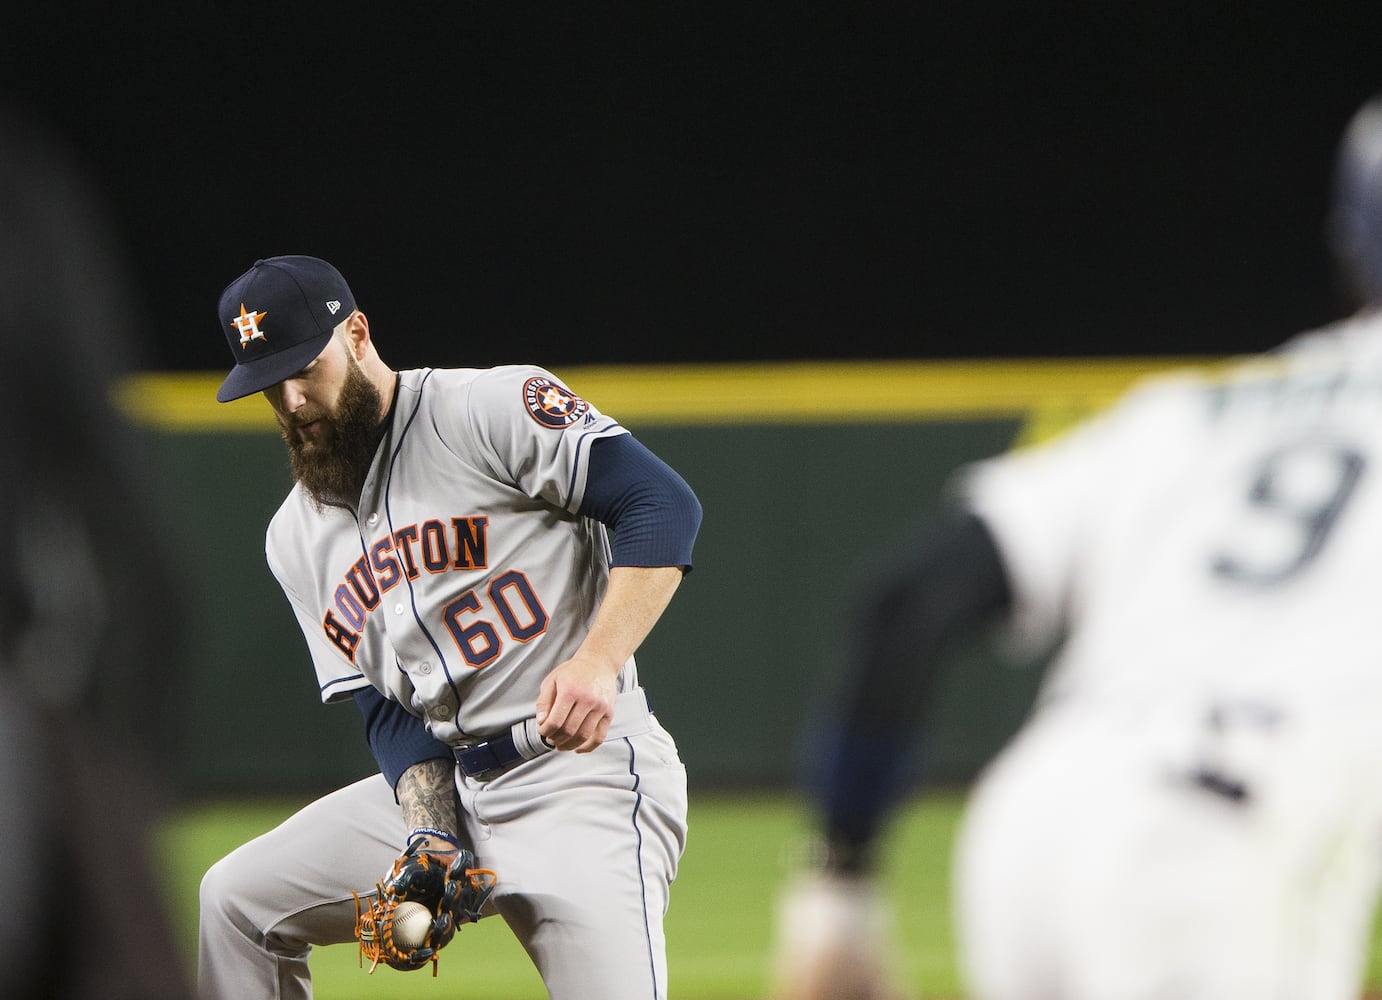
214, 891
224, 887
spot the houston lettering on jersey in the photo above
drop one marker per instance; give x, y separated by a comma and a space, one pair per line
434, 546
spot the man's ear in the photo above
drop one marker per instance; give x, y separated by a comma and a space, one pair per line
357, 334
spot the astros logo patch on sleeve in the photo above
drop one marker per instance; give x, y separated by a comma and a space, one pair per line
552, 404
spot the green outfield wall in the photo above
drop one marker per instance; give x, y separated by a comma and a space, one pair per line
803, 471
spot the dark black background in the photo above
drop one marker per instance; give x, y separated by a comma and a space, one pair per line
587, 182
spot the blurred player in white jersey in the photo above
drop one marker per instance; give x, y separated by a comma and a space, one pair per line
1193, 810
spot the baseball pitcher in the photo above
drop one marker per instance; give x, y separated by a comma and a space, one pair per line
446, 548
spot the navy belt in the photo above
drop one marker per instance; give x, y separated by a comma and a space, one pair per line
520, 743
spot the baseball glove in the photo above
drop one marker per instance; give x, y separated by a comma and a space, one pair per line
452, 890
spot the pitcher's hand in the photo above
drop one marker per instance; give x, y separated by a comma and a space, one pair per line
575, 704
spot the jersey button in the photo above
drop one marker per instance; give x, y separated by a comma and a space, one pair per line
424, 667
398, 609
374, 519
442, 711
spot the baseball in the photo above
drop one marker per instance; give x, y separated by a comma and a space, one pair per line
411, 921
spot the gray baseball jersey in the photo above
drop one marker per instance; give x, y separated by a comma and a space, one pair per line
467, 574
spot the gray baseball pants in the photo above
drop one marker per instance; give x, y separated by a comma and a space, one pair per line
585, 847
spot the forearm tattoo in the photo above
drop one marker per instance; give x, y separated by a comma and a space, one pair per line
427, 795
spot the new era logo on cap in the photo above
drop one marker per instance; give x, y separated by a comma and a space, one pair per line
277, 317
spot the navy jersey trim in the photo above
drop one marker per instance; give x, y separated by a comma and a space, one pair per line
352, 679
388, 516
583, 442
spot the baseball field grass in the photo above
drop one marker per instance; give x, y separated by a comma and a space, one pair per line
719, 927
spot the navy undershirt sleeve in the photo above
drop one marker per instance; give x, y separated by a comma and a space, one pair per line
652, 512
397, 738
946, 584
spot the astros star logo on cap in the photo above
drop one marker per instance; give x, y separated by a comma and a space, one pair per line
248, 325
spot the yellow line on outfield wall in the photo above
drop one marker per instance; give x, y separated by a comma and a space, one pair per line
770, 392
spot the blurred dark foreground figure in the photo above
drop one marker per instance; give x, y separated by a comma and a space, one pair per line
87, 618
1193, 809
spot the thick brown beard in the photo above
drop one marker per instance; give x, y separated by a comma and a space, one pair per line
335, 473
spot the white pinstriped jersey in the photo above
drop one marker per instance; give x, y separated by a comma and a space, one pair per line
1214, 533
467, 574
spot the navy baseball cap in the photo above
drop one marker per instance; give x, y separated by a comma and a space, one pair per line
277, 317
